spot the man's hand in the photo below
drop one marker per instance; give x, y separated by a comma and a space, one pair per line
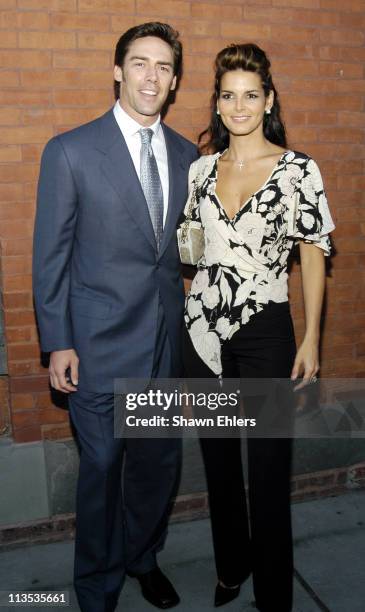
60, 361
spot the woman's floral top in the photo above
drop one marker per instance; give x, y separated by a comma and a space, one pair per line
245, 259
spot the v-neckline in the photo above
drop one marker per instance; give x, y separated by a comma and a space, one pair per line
244, 205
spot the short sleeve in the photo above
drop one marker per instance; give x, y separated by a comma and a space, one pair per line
311, 218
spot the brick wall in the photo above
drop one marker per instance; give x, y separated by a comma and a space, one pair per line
56, 72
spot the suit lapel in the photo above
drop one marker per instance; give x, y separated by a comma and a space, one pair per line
178, 179
118, 167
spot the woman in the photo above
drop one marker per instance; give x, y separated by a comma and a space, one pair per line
254, 199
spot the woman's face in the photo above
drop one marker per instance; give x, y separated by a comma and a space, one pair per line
242, 102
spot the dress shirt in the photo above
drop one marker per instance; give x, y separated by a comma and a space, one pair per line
130, 130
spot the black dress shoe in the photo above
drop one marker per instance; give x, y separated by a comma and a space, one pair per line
224, 595
157, 589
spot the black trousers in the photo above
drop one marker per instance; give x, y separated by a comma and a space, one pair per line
258, 541
124, 494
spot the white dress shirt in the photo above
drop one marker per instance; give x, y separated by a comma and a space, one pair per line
130, 130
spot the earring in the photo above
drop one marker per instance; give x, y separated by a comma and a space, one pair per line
268, 111
217, 111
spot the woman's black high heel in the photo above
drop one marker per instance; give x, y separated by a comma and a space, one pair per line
224, 595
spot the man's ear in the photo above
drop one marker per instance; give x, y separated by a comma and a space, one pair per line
173, 84
118, 74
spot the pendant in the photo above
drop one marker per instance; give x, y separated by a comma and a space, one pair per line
240, 164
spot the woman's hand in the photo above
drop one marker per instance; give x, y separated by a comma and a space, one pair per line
306, 363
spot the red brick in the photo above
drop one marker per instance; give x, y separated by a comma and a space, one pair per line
352, 20
32, 384
25, 59
216, 12
121, 23
22, 351
97, 41
18, 318
58, 116
298, 3
339, 134
16, 301
21, 368
107, 6
352, 54
80, 98
295, 34
199, 64
32, 20
350, 245
351, 5
53, 415
199, 81
200, 117
32, 152
10, 153
9, 78
22, 401
342, 37
13, 173
8, 4
178, 117
20, 135
321, 118
8, 19
21, 334
30, 191
25, 98
27, 434
348, 86
56, 432
9, 40
197, 28
51, 5
351, 118
81, 59
15, 246
67, 21
293, 68
18, 282
10, 193
164, 8
246, 30
47, 40
16, 265
210, 46
9, 116
303, 134
341, 69
193, 99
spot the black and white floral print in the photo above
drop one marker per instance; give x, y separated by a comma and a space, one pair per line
245, 258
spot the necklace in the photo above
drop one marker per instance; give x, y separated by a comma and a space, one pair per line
237, 162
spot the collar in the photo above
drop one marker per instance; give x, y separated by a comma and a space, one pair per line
128, 125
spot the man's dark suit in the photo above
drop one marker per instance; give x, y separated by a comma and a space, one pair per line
101, 288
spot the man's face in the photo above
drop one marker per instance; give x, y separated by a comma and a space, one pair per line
146, 78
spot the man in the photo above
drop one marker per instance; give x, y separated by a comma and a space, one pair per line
109, 299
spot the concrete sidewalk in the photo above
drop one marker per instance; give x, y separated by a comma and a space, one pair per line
329, 561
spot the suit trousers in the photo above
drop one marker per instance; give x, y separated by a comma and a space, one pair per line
124, 493
257, 540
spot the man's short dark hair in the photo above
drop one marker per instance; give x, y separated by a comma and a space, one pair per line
152, 28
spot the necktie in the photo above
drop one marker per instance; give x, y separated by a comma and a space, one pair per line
151, 183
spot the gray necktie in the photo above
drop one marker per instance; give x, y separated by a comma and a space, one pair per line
151, 183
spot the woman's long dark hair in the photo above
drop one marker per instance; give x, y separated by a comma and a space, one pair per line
253, 59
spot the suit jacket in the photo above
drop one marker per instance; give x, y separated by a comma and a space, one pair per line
97, 275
